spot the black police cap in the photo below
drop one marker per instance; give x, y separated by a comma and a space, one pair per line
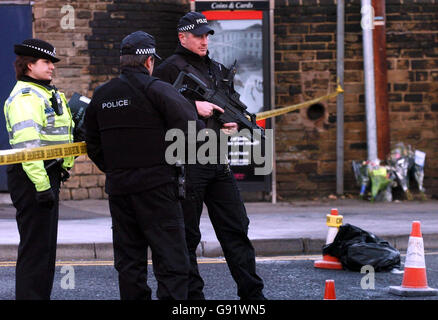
138, 42
36, 48
194, 22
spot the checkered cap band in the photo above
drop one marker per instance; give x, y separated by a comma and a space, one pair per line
42, 50
186, 28
145, 51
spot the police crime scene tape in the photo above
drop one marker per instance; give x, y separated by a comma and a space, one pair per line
42, 153
277, 112
80, 148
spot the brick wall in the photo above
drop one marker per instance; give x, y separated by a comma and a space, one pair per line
305, 67
413, 80
122, 17
90, 54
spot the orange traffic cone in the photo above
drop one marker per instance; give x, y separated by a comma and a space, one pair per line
329, 292
334, 221
414, 279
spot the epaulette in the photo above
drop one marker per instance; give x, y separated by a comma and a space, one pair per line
25, 90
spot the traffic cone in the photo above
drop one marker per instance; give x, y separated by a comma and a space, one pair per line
414, 282
329, 292
334, 221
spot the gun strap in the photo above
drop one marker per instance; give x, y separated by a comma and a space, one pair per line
183, 65
215, 70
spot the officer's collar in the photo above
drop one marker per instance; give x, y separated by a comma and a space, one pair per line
140, 69
44, 83
191, 55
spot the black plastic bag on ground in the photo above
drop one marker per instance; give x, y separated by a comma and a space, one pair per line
356, 248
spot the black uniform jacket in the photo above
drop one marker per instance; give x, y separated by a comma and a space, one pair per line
206, 69
125, 130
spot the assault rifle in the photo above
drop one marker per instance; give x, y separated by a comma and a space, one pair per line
234, 109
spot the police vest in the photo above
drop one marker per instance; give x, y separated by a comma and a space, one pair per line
132, 130
32, 122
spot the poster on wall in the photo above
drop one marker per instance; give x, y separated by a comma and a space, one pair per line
241, 36
241, 41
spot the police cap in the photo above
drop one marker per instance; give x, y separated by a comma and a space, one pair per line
138, 42
36, 48
194, 22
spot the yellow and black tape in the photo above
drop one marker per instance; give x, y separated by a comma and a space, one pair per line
80, 148
277, 112
42, 153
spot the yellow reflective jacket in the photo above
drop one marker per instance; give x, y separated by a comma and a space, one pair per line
31, 122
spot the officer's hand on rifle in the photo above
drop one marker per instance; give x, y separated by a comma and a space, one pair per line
205, 109
230, 128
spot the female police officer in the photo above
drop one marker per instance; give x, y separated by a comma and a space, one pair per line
36, 115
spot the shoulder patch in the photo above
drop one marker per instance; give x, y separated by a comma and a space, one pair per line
25, 91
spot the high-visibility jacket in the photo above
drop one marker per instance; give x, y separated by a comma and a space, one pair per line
32, 122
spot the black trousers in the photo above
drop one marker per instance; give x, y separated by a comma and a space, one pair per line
154, 219
38, 229
215, 185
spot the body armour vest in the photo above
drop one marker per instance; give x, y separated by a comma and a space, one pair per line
130, 125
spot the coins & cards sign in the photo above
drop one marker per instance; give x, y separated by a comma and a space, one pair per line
232, 5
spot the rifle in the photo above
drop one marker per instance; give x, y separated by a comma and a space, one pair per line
234, 109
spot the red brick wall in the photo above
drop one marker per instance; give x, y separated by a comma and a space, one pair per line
72, 75
90, 55
305, 67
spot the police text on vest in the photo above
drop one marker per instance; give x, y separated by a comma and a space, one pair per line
116, 104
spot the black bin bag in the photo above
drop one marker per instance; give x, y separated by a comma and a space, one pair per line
356, 248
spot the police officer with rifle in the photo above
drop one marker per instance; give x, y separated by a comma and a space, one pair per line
224, 97
214, 183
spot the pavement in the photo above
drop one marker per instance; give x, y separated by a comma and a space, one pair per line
285, 228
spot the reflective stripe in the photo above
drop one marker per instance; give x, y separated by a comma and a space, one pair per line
25, 124
26, 144
55, 130
36, 143
43, 130
28, 90
50, 129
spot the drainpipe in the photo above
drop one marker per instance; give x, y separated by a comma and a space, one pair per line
381, 80
340, 99
367, 24
272, 77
